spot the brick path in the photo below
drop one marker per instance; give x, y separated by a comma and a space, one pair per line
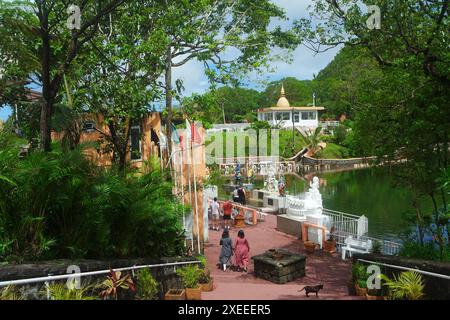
321, 268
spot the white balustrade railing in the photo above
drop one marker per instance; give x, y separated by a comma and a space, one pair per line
261, 168
357, 226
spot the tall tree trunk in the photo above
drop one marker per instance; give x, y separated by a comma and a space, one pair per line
169, 98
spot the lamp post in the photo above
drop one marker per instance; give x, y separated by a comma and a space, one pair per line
293, 131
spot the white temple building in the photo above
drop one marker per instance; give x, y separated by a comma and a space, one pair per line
287, 116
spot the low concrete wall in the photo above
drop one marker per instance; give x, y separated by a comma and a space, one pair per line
435, 288
289, 226
165, 276
338, 163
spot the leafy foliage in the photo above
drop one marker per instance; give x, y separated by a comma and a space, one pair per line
116, 283
191, 275
60, 291
147, 286
10, 293
408, 285
59, 205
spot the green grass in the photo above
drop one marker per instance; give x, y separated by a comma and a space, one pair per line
333, 151
285, 141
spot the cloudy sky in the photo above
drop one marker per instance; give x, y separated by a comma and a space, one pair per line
303, 65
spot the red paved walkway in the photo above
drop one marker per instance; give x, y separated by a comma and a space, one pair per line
324, 269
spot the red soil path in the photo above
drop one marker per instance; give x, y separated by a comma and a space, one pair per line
321, 268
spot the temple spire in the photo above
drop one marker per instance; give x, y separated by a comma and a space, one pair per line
283, 102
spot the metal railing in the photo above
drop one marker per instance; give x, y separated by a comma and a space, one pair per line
427, 273
345, 225
387, 247
329, 124
357, 226
90, 273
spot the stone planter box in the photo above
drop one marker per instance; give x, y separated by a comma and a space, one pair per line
310, 246
194, 293
279, 266
361, 292
175, 294
207, 287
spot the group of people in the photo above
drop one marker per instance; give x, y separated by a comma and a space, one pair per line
240, 249
216, 211
239, 195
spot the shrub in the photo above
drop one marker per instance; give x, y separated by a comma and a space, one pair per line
60, 291
191, 275
10, 293
377, 247
359, 272
408, 285
205, 277
362, 284
59, 205
147, 286
427, 251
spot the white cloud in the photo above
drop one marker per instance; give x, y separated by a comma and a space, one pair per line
303, 66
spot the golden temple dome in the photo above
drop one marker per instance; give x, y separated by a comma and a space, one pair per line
283, 102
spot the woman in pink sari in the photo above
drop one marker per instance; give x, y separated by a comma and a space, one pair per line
241, 250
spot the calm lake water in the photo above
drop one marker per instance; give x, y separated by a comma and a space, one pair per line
368, 192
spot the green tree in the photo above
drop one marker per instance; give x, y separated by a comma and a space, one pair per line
115, 80
404, 114
298, 92
229, 37
35, 33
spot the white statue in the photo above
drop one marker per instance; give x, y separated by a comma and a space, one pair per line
314, 184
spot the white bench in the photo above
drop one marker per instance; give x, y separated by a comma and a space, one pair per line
355, 245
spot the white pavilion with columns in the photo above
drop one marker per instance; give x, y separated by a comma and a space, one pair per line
287, 116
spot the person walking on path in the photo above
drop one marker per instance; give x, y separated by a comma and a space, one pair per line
241, 194
227, 250
241, 251
227, 209
215, 214
236, 195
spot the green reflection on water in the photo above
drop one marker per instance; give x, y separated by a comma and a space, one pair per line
370, 192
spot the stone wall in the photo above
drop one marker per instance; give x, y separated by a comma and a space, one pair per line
435, 288
165, 276
338, 163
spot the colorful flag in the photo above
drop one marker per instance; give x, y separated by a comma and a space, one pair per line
195, 135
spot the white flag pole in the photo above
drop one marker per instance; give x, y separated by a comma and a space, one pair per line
195, 195
182, 188
188, 157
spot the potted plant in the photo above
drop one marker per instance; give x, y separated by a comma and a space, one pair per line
361, 288
376, 294
191, 275
309, 246
206, 282
408, 285
359, 277
377, 247
330, 244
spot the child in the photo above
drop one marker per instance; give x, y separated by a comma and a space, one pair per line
227, 249
215, 214
227, 210
241, 250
